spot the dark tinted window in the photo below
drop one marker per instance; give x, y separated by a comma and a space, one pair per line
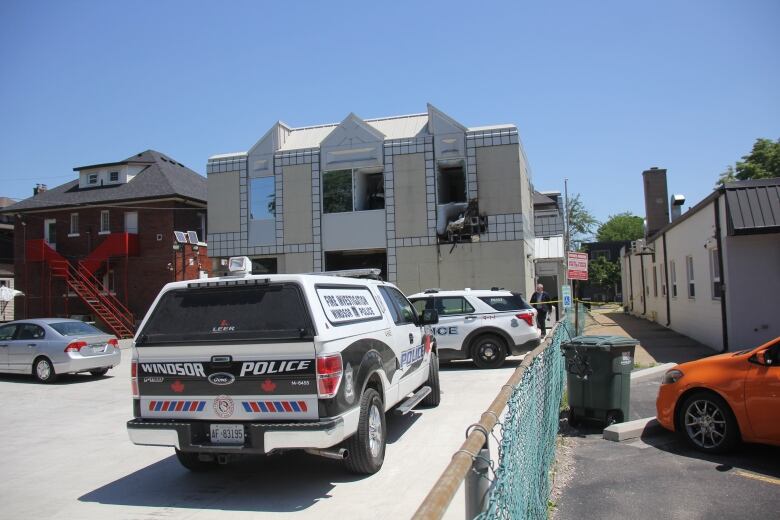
404, 310
75, 328
30, 331
451, 305
506, 303
7, 332
224, 314
421, 304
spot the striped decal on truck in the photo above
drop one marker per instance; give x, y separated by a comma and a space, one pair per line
176, 406
274, 406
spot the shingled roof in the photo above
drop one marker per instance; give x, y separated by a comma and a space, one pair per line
161, 177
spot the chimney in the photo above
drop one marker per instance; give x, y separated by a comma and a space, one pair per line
656, 200
39, 188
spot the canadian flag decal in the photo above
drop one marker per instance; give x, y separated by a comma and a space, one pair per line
268, 386
177, 387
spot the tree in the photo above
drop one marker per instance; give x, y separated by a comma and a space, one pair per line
763, 162
620, 227
603, 272
580, 222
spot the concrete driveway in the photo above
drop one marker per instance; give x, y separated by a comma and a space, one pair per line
66, 455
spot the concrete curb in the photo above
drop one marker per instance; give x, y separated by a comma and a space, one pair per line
630, 430
651, 372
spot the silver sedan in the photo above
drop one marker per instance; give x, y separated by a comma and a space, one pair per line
47, 347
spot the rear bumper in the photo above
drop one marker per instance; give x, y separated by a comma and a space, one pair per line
78, 363
258, 437
526, 346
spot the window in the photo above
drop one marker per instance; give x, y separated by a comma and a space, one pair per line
352, 190
30, 331
506, 303
452, 184
421, 304
113, 176
673, 274
655, 281
715, 270
74, 224
404, 312
74, 328
689, 271
449, 306
7, 332
600, 253
105, 223
92, 178
663, 281
264, 266
262, 199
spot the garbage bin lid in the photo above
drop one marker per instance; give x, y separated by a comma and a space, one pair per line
602, 341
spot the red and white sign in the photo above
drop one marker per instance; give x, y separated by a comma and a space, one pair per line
578, 266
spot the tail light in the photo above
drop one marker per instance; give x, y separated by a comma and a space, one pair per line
427, 342
134, 378
527, 317
329, 371
75, 346
113, 342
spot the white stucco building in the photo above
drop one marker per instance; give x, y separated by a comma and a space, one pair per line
385, 193
713, 272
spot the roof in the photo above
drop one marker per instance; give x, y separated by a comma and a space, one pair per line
161, 177
541, 199
5, 201
753, 206
461, 292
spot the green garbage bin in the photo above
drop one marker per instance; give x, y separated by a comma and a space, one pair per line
599, 377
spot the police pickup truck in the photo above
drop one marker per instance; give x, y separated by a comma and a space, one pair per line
250, 364
484, 325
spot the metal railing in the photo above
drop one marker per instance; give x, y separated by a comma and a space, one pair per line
520, 484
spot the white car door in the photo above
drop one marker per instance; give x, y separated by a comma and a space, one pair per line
407, 340
6, 336
457, 319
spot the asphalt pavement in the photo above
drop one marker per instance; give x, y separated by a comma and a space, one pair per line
66, 455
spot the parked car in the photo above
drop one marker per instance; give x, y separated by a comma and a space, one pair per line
256, 364
717, 401
48, 347
484, 325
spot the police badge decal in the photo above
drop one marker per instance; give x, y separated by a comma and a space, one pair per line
223, 406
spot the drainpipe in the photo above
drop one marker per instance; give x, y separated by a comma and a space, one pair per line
644, 296
630, 280
722, 277
666, 284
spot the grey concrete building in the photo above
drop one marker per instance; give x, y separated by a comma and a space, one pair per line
427, 200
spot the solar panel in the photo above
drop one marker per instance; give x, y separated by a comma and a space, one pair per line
181, 237
193, 236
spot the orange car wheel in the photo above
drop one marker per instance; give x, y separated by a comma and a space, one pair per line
707, 423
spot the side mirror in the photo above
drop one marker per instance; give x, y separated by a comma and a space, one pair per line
760, 358
429, 317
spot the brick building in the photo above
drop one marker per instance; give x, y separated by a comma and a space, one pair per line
101, 245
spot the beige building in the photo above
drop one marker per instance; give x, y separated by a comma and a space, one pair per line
427, 200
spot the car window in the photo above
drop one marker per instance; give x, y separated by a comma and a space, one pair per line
7, 332
75, 328
506, 303
451, 305
420, 304
774, 354
404, 310
30, 331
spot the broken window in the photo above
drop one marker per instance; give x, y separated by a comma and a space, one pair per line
369, 191
452, 184
352, 190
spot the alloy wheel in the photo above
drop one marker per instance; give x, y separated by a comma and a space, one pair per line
374, 431
705, 424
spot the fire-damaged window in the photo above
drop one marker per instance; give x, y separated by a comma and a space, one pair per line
227, 314
452, 184
352, 190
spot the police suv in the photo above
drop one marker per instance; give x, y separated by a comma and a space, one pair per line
250, 364
484, 325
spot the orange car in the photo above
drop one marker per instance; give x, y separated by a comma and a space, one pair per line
717, 401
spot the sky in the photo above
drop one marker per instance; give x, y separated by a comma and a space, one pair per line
600, 91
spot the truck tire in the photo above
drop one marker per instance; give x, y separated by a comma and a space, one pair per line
488, 351
190, 460
434, 398
43, 370
367, 447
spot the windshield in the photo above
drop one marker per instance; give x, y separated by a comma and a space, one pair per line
514, 302
75, 328
227, 314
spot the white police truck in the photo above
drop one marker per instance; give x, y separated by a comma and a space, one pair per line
251, 364
483, 325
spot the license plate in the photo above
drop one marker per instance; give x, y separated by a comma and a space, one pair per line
99, 349
227, 434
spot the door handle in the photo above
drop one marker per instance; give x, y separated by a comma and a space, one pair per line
471, 317
411, 338
31, 345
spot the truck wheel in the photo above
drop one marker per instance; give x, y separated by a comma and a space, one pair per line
190, 460
488, 351
43, 370
434, 398
367, 447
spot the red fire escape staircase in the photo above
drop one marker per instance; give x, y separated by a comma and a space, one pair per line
81, 280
